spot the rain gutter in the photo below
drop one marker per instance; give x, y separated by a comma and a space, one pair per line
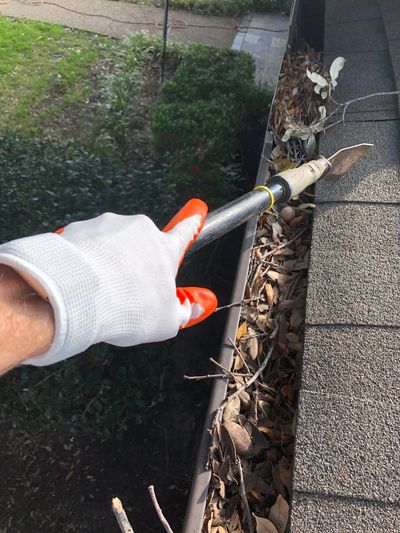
278, 35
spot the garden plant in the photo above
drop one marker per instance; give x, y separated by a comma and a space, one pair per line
126, 145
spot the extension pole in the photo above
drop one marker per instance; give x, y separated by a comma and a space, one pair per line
165, 37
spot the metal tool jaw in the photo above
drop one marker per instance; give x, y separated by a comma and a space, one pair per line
279, 189
295, 180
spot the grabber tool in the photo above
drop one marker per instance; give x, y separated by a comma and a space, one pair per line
279, 189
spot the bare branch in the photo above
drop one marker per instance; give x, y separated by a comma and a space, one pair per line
207, 376
237, 352
345, 105
227, 372
121, 517
287, 243
234, 304
159, 512
251, 380
243, 496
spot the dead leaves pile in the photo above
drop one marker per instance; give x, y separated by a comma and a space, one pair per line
253, 436
297, 111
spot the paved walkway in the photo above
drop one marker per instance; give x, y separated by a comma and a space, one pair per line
117, 19
347, 476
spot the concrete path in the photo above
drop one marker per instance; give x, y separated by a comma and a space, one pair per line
117, 19
347, 476
264, 36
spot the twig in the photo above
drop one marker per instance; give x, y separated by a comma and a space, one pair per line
207, 376
157, 507
265, 262
254, 406
243, 496
249, 300
345, 105
232, 375
121, 517
263, 245
292, 286
251, 380
284, 244
228, 372
237, 351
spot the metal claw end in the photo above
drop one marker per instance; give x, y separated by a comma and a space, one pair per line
344, 160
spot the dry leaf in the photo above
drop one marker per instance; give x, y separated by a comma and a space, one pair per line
279, 277
288, 392
304, 207
317, 78
261, 322
279, 514
296, 319
234, 523
269, 293
256, 495
263, 525
242, 330
245, 399
335, 68
232, 409
285, 475
241, 438
272, 434
278, 485
237, 363
252, 347
296, 221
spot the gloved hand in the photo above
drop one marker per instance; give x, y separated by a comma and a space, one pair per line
112, 279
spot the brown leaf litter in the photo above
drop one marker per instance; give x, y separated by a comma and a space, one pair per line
253, 436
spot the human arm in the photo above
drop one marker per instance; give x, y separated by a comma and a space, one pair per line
112, 279
26, 320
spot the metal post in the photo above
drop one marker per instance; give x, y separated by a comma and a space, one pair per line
165, 38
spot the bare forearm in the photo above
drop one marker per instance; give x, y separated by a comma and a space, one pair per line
26, 321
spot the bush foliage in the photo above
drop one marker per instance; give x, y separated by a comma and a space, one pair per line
225, 7
201, 114
46, 184
149, 150
98, 393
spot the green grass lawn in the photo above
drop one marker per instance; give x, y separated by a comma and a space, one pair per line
47, 75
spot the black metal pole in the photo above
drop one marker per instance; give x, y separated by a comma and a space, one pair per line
165, 38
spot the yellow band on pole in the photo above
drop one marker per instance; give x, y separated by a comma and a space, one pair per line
271, 196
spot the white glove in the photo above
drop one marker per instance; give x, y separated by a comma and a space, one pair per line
112, 279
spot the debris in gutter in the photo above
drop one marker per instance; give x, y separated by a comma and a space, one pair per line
253, 435
255, 432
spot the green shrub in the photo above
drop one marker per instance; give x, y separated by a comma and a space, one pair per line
45, 184
199, 124
202, 128
196, 121
273, 5
224, 7
98, 393
206, 71
202, 112
130, 92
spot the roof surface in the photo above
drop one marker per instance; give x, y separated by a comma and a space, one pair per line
347, 455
